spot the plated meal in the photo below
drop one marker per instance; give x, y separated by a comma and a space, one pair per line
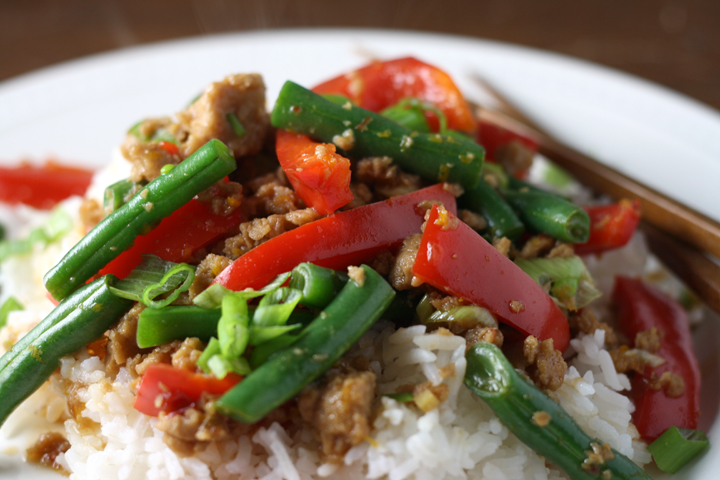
365, 282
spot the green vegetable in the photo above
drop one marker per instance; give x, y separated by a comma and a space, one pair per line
117, 194
10, 305
676, 447
539, 422
276, 307
570, 278
213, 361
78, 320
58, 225
320, 345
234, 326
2, 232
501, 218
550, 214
464, 317
236, 125
212, 296
154, 277
117, 232
410, 113
318, 285
362, 133
160, 325
404, 397
159, 135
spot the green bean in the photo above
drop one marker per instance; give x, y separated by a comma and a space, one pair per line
362, 133
318, 285
117, 232
160, 325
501, 218
78, 320
320, 345
539, 422
548, 213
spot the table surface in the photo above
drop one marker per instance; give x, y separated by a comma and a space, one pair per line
674, 43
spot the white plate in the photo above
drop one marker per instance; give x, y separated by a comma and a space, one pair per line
79, 111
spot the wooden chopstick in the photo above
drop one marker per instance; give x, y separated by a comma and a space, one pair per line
675, 233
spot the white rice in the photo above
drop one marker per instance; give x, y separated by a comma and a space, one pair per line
462, 439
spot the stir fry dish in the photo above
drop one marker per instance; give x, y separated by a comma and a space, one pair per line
365, 282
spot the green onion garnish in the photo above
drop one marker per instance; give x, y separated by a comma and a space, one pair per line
236, 125
404, 397
10, 305
154, 277
676, 447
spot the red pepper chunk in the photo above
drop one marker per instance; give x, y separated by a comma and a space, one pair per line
42, 186
611, 226
319, 176
167, 389
346, 238
186, 230
456, 259
640, 308
383, 84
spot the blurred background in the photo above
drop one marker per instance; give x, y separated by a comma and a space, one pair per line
674, 43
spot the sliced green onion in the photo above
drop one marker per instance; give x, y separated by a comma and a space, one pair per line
275, 307
233, 327
212, 296
570, 278
153, 277
555, 176
404, 397
57, 226
151, 292
464, 317
10, 305
160, 135
117, 195
410, 113
167, 168
212, 349
220, 366
676, 447
408, 117
260, 335
236, 125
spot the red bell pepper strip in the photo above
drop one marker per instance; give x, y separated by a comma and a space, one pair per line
611, 226
42, 186
319, 176
456, 259
640, 308
382, 84
492, 136
186, 230
346, 238
166, 389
